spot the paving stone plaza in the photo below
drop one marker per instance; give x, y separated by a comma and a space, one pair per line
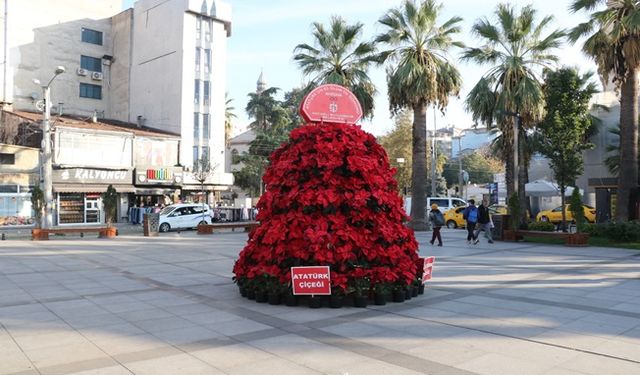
167, 305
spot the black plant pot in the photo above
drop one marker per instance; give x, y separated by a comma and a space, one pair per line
336, 302
421, 289
291, 300
251, 294
243, 291
414, 291
273, 299
360, 301
379, 299
398, 295
261, 296
407, 294
315, 302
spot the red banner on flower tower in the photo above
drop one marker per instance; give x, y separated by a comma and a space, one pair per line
331, 103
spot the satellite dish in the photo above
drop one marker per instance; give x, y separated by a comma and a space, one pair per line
40, 105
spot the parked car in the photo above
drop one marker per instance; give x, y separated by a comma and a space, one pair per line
184, 215
444, 203
555, 215
498, 209
453, 218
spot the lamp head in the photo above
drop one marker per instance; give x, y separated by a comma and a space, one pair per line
36, 81
60, 69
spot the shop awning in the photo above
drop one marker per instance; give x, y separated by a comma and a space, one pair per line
87, 188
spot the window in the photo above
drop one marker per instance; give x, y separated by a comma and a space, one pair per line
205, 152
198, 27
205, 127
91, 63
198, 53
207, 60
207, 30
92, 36
196, 127
196, 92
7, 159
90, 91
195, 154
206, 92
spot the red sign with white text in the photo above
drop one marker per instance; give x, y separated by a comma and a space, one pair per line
311, 280
428, 269
331, 103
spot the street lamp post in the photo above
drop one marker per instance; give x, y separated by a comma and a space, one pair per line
46, 149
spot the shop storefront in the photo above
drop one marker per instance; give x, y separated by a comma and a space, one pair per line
78, 193
15, 206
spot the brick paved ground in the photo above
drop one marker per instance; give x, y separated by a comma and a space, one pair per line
166, 305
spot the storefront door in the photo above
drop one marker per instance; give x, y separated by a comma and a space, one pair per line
92, 208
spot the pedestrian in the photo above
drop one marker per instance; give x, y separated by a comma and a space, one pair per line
437, 221
470, 214
484, 222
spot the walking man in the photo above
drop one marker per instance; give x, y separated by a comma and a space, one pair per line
437, 221
470, 214
484, 222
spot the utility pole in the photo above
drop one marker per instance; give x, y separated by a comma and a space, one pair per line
433, 155
46, 150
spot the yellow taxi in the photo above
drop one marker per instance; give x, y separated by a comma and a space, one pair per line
498, 209
453, 218
555, 215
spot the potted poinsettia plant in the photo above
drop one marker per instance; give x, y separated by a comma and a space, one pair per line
110, 204
37, 204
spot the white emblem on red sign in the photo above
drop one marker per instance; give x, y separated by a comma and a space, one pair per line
428, 269
333, 107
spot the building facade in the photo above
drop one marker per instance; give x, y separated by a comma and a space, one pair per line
19, 171
160, 64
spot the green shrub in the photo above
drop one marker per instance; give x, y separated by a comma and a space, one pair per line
575, 206
618, 232
543, 226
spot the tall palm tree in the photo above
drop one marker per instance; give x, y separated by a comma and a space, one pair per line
613, 42
260, 106
337, 57
421, 75
511, 90
229, 115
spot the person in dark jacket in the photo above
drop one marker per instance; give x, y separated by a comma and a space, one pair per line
437, 221
470, 214
484, 222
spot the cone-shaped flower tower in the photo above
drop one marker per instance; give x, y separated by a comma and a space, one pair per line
331, 200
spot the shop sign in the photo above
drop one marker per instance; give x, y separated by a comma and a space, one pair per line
331, 103
428, 269
88, 175
311, 280
158, 176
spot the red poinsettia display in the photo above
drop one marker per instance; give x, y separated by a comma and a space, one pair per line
331, 200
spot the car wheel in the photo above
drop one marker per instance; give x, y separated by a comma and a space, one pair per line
544, 218
165, 227
451, 224
203, 222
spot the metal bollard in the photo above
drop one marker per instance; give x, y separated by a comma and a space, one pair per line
3, 237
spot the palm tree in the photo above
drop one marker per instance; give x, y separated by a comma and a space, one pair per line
260, 107
229, 115
339, 58
422, 75
613, 42
510, 92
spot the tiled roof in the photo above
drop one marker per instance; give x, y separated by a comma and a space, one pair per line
103, 125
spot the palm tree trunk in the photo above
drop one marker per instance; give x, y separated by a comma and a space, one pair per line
628, 176
419, 168
522, 175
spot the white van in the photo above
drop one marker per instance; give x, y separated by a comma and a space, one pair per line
444, 203
184, 215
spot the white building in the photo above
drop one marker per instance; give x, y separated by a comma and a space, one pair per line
161, 64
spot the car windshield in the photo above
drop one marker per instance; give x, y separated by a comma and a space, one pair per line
166, 210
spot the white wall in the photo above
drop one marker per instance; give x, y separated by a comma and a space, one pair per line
98, 149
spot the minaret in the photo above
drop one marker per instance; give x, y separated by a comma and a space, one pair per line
261, 85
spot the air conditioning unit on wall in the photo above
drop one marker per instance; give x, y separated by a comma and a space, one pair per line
96, 76
82, 72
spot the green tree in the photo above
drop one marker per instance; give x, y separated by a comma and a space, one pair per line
338, 57
110, 203
576, 208
229, 115
613, 42
612, 161
260, 106
516, 52
480, 165
562, 132
421, 75
397, 143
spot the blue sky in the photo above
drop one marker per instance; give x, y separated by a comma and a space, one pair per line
264, 34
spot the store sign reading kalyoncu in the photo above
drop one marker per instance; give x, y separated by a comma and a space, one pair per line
88, 175
311, 280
